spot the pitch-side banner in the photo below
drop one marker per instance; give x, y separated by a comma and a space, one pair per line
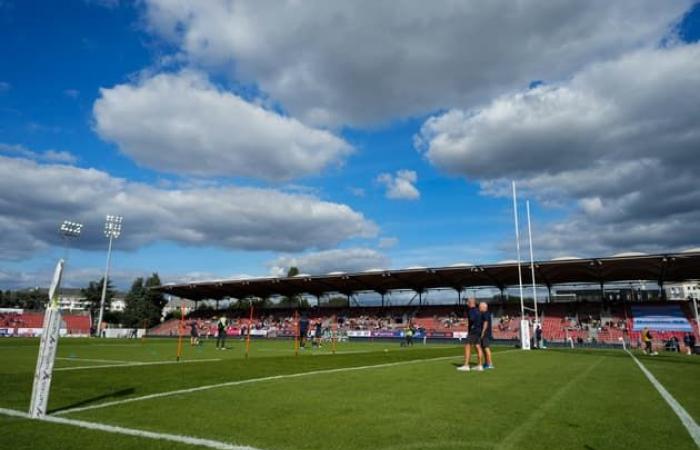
47, 349
660, 318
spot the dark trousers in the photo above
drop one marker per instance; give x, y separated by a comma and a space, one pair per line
221, 339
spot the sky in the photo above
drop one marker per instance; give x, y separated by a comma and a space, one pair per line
239, 138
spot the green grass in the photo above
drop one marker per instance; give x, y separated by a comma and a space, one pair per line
533, 400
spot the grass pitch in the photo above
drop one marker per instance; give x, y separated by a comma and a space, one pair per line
367, 395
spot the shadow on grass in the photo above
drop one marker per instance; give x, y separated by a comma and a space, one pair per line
115, 394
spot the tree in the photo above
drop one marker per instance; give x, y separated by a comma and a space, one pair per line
292, 272
143, 305
93, 294
153, 297
338, 300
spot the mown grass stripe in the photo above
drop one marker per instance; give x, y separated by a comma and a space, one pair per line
135, 364
183, 439
258, 380
686, 419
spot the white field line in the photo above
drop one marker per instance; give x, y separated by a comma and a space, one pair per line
131, 431
686, 419
136, 364
258, 380
113, 361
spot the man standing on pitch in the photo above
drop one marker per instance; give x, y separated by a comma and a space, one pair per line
474, 325
221, 336
303, 330
486, 335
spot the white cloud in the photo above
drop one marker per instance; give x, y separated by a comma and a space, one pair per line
357, 191
55, 156
334, 62
79, 277
387, 242
401, 186
35, 198
184, 124
318, 263
621, 138
71, 93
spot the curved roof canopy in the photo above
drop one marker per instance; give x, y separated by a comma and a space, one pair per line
660, 268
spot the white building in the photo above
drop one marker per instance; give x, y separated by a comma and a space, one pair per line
175, 304
683, 291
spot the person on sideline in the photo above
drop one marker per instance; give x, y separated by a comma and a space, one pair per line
194, 333
689, 341
474, 326
221, 335
303, 331
647, 340
486, 334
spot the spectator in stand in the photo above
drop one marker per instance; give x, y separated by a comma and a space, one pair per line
689, 341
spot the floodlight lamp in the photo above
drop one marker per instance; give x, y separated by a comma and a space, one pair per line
113, 226
70, 229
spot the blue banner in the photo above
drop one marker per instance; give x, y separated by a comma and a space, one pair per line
660, 318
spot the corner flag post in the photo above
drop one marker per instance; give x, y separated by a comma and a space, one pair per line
247, 339
47, 348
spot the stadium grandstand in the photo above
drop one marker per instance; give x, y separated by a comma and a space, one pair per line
612, 308
20, 323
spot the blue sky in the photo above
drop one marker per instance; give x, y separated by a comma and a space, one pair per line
242, 138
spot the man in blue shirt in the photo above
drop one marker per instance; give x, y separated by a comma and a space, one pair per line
474, 325
303, 330
486, 334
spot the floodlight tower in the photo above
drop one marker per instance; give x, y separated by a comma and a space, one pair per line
70, 230
113, 228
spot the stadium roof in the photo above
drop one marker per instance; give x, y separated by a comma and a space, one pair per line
672, 267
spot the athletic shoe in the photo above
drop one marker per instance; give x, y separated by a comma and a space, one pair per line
464, 368
489, 366
479, 368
